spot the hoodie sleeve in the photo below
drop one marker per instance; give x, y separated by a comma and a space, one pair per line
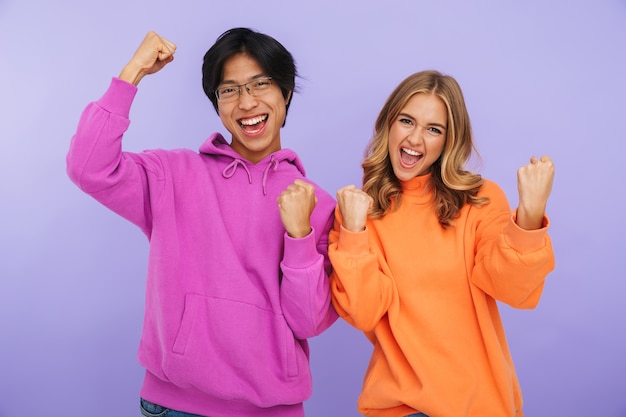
97, 165
305, 292
511, 263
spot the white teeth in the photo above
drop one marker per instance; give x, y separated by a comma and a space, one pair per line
253, 121
411, 152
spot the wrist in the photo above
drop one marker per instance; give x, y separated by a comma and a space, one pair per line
529, 219
300, 233
131, 74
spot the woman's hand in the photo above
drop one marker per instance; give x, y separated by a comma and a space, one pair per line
354, 205
534, 184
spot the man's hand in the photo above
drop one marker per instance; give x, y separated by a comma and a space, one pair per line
153, 54
296, 203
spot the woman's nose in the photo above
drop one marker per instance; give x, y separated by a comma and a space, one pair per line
417, 135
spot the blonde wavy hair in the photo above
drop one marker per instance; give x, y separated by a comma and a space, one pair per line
453, 186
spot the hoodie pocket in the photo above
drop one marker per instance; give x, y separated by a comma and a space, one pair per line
238, 351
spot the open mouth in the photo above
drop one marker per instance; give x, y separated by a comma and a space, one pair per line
409, 156
253, 124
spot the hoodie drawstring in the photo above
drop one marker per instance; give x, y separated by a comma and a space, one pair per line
273, 164
230, 169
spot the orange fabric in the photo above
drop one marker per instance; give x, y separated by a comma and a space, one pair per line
426, 298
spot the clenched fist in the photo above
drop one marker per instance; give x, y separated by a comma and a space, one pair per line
152, 54
353, 204
296, 203
534, 184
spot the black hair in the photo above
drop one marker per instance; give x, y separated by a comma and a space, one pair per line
275, 60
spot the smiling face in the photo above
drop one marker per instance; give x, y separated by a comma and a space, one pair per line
417, 136
253, 121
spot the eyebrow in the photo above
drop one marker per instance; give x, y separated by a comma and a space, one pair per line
254, 77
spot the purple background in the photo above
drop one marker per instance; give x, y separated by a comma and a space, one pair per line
539, 77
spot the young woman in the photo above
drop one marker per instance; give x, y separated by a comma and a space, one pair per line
424, 250
238, 265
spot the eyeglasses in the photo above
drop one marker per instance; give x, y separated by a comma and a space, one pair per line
232, 92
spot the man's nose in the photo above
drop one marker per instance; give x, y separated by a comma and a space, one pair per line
246, 99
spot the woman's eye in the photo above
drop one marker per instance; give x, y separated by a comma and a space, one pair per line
435, 130
405, 121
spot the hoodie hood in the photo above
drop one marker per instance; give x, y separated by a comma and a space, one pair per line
217, 146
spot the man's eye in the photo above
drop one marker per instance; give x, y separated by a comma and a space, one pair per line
227, 91
262, 84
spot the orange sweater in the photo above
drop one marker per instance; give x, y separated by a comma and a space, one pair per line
426, 298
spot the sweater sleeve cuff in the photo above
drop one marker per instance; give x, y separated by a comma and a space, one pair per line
119, 97
354, 243
525, 240
300, 252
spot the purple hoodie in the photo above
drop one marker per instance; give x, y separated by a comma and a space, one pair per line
230, 297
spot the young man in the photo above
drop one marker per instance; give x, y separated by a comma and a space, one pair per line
238, 265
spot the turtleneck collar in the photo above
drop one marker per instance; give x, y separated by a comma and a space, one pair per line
416, 189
